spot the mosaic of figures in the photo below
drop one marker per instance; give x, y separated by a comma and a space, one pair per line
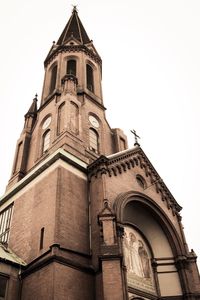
137, 261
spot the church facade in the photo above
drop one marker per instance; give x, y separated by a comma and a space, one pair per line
83, 216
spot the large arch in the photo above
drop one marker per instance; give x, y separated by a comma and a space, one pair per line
125, 199
137, 210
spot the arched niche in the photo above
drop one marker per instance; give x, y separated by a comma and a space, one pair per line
137, 259
160, 239
140, 210
140, 216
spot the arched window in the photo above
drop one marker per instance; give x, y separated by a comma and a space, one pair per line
90, 78
94, 140
74, 114
46, 141
71, 67
53, 79
61, 118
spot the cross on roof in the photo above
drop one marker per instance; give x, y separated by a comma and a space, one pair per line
136, 137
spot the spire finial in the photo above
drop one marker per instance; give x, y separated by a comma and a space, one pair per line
74, 8
136, 137
36, 95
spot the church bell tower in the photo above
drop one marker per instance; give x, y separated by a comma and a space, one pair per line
83, 216
71, 115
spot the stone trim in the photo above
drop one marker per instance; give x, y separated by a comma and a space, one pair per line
41, 167
142, 294
53, 255
72, 48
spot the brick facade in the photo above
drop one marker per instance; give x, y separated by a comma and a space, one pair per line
91, 219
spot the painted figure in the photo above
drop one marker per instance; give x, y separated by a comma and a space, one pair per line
134, 257
144, 260
126, 251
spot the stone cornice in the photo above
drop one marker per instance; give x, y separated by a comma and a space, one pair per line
72, 48
142, 294
58, 254
118, 163
41, 167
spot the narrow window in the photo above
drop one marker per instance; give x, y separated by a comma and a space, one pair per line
53, 79
42, 238
46, 141
3, 284
61, 118
5, 218
18, 158
71, 67
90, 79
94, 140
74, 114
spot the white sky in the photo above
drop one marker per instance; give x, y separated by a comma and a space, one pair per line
151, 73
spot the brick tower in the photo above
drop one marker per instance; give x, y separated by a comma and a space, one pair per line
83, 216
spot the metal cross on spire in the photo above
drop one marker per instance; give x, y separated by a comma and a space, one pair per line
136, 137
74, 8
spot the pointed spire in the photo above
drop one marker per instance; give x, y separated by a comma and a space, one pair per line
75, 29
33, 108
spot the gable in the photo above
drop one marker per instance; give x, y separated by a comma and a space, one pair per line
134, 164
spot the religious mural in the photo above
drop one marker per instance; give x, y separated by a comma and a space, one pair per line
137, 261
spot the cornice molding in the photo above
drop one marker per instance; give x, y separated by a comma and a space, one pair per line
142, 294
72, 48
54, 254
41, 167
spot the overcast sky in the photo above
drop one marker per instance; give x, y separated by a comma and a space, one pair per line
151, 74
